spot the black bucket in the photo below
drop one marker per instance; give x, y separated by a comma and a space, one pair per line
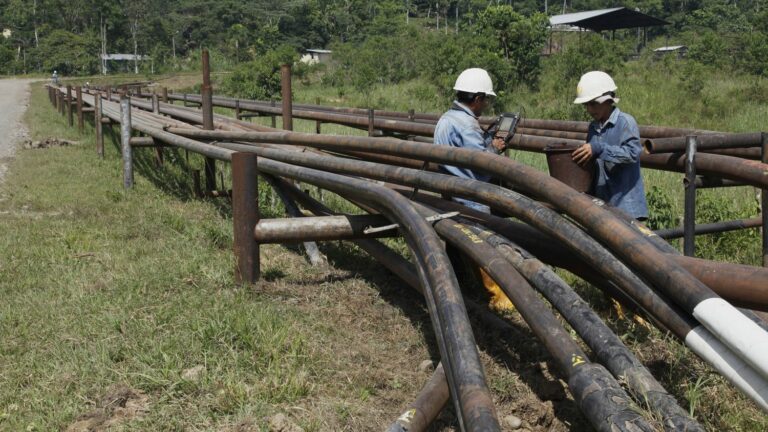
562, 167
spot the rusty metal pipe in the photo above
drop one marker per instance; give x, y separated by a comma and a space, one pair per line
320, 228
608, 348
706, 142
287, 96
728, 167
470, 393
539, 124
632, 247
695, 336
125, 139
466, 377
245, 215
713, 228
600, 397
435, 394
420, 413
703, 182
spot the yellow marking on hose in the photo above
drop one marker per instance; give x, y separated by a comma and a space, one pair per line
577, 360
472, 236
644, 229
408, 416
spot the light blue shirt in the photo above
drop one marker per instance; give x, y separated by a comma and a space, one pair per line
459, 127
616, 147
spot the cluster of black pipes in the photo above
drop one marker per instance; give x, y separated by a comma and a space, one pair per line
388, 175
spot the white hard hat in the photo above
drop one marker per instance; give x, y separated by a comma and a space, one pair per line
593, 86
474, 80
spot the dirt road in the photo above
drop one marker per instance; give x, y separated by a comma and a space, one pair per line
14, 98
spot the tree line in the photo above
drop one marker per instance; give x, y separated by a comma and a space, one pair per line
69, 36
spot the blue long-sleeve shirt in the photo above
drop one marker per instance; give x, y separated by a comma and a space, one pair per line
459, 127
616, 147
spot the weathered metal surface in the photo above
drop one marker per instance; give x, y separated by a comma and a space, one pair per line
206, 92
764, 198
98, 125
705, 142
420, 413
245, 216
70, 113
79, 106
712, 228
125, 141
287, 96
689, 208
608, 348
320, 228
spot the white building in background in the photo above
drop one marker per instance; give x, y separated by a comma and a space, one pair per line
7, 33
314, 56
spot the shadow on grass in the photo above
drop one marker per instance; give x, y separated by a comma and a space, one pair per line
514, 347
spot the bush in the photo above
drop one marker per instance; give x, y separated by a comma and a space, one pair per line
68, 53
693, 78
6, 60
736, 246
259, 79
501, 41
709, 48
660, 209
754, 53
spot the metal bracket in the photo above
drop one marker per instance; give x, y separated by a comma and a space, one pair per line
435, 218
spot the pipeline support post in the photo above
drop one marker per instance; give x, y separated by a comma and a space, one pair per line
98, 125
206, 95
245, 216
125, 141
274, 119
371, 131
70, 114
80, 120
689, 215
156, 110
764, 199
285, 80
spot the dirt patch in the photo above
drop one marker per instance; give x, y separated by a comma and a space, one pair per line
47, 143
280, 423
14, 98
120, 404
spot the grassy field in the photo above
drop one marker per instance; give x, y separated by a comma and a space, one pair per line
120, 313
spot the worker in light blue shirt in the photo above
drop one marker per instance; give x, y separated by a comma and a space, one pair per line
459, 126
613, 141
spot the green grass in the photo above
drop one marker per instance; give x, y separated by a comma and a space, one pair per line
103, 287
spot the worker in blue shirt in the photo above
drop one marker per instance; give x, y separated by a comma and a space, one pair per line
459, 127
613, 141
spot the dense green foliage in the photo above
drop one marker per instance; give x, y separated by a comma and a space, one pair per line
385, 40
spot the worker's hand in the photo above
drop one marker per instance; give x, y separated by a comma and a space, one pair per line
498, 144
582, 154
